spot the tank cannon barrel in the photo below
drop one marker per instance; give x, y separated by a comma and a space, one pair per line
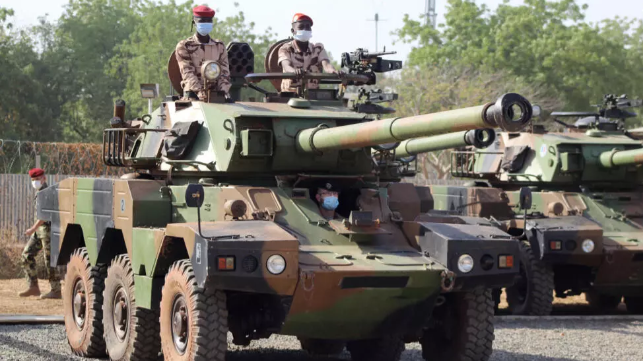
618, 158
511, 112
479, 138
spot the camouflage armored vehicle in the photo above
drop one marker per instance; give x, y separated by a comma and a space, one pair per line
221, 227
584, 229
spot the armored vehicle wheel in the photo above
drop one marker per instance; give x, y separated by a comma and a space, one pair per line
82, 303
634, 305
319, 347
464, 328
194, 321
381, 349
533, 292
601, 302
131, 332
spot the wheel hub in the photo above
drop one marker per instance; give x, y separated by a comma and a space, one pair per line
79, 304
180, 330
121, 313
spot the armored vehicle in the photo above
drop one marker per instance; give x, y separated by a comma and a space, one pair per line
584, 229
223, 225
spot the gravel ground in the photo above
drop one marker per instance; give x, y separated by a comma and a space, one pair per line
549, 340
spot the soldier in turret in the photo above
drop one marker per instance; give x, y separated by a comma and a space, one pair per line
327, 200
192, 52
301, 56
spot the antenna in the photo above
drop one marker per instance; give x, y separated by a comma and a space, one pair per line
430, 16
376, 20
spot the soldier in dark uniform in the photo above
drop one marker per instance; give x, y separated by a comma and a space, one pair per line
39, 240
300, 56
192, 52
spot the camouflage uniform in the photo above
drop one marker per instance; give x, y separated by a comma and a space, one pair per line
309, 60
40, 241
191, 54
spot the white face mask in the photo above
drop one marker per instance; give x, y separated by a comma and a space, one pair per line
36, 184
303, 35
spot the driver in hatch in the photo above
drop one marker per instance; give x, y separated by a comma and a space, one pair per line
301, 56
327, 201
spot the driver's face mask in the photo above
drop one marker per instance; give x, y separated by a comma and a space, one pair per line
330, 203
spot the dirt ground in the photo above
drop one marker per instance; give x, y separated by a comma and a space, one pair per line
10, 303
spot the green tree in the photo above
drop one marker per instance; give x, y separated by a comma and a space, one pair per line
544, 42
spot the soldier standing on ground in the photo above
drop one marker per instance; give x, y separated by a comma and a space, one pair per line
300, 56
39, 240
192, 52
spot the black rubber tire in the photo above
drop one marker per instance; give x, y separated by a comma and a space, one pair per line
142, 340
207, 317
634, 305
85, 341
464, 328
539, 293
602, 303
381, 349
320, 347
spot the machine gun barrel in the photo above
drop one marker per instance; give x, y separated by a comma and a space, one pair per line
511, 112
619, 158
479, 138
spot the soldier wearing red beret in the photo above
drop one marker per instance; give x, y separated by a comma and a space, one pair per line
192, 52
39, 239
300, 56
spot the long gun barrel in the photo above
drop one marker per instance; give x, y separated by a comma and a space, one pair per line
618, 158
511, 112
479, 138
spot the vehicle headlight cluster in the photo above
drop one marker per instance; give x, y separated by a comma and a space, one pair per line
465, 263
276, 264
588, 246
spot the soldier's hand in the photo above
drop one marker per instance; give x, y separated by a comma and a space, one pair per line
340, 74
300, 72
190, 95
30, 231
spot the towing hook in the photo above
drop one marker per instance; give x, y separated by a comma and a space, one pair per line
448, 281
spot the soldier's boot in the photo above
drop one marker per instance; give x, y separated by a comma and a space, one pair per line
53, 294
32, 290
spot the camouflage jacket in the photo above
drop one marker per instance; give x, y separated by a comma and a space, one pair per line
309, 60
190, 54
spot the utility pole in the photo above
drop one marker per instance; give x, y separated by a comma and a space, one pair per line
430, 16
376, 20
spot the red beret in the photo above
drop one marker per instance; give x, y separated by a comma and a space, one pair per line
36, 172
301, 17
203, 11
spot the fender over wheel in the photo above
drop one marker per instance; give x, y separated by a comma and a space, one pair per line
194, 320
131, 332
83, 305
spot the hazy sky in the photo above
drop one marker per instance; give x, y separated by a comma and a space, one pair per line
339, 25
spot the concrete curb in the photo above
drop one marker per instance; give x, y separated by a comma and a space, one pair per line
30, 319
511, 318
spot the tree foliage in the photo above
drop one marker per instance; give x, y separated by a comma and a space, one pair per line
543, 42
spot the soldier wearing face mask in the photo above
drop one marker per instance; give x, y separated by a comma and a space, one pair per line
327, 200
301, 56
192, 52
39, 240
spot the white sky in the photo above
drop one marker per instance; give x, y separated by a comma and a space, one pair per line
341, 25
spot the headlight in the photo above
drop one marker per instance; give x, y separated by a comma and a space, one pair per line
465, 263
588, 246
276, 264
211, 70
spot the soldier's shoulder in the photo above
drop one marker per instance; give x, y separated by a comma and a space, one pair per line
288, 47
317, 46
185, 42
